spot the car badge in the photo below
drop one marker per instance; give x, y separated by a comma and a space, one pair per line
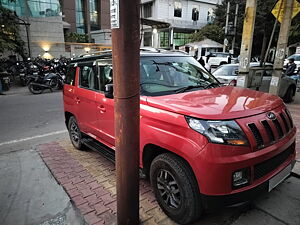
271, 116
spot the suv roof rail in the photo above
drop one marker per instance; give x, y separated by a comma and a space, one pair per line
95, 53
177, 50
149, 49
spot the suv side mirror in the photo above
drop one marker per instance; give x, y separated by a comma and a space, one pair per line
109, 91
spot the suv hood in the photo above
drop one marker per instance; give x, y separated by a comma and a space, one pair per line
217, 103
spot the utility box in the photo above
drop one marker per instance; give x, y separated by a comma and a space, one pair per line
256, 77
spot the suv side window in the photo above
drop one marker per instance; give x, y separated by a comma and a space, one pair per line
70, 76
106, 76
88, 78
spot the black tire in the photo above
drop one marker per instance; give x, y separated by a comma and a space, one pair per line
177, 193
222, 63
289, 95
54, 83
75, 133
34, 89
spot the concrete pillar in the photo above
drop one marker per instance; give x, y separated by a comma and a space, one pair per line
171, 38
155, 38
247, 39
281, 46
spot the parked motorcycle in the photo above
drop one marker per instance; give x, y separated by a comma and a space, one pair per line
37, 84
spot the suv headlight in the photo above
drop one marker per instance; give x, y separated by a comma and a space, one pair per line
220, 132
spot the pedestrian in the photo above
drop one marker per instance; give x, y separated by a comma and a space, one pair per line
201, 61
290, 67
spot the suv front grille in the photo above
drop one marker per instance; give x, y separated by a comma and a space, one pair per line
262, 169
267, 131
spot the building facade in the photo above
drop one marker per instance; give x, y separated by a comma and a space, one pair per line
184, 17
44, 24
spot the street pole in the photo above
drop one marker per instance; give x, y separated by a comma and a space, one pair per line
87, 19
125, 24
272, 34
234, 26
247, 40
281, 46
226, 25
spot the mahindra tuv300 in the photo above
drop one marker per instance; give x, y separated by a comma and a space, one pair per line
202, 144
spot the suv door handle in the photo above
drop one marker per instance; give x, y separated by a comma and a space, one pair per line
77, 100
102, 109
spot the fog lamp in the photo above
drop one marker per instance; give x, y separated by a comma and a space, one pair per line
240, 178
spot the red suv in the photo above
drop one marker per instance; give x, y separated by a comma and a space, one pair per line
202, 145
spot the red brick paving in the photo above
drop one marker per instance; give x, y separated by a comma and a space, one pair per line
89, 179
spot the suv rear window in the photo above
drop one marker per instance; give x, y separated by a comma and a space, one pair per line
88, 77
70, 76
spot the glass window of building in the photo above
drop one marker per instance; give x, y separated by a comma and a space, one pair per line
34, 8
181, 39
147, 10
164, 39
80, 27
177, 8
94, 15
195, 13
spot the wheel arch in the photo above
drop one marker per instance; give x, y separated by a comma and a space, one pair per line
68, 115
150, 151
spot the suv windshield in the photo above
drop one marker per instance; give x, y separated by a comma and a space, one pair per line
170, 75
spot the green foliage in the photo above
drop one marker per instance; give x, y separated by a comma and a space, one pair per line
78, 38
295, 30
263, 23
210, 31
10, 39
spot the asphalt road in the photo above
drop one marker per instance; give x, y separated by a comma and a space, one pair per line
29, 194
27, 119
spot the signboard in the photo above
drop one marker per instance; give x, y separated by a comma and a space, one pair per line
277, 9
114, 14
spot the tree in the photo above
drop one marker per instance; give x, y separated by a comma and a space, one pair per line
263, 23
210, 31
10, 39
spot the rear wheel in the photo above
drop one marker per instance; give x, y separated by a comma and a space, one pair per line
289, 95
175, 188
34, 89
75, 133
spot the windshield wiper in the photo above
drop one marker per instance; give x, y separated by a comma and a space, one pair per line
211, 85
183, 89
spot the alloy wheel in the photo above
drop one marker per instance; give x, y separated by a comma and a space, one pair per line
168, 189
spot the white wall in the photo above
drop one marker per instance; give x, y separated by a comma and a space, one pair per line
163, 10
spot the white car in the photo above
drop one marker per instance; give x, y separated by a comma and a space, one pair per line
216, 59
227, 74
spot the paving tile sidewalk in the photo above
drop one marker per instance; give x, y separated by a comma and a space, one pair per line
89, 179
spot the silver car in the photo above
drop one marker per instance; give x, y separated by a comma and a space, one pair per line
227, 74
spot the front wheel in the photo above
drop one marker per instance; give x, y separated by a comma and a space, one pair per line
34, 89
54, 83
175, 188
